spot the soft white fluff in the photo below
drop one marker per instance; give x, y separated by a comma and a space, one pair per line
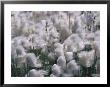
52, 75
68, 56
59, 52
90, 36
20, 50
56, 70
36, 73
58, 45
86, 58
31, 60
25, 43
51, 56
72, 65
61, 61
73, 43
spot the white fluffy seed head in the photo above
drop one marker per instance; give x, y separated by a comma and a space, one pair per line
44, 50
52, 75
25, 43
36, 73
20, 50
59, 52
56, 70
81, 45
90, 36
75, 38
31, 60
65, 33
51, 56
69, 56
61, 61
58, 45
72, 65
86, 58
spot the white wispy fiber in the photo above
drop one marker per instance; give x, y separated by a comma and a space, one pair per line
56, 70
69, 56
86, 58
31, 60
36, 73
72, 65
61, 61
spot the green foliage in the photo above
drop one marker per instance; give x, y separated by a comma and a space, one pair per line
18, 71
88, 71
23, 69
44, 60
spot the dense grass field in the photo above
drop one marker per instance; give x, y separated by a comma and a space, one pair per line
55, 44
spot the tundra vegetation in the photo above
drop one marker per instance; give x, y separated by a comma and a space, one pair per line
55, 43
